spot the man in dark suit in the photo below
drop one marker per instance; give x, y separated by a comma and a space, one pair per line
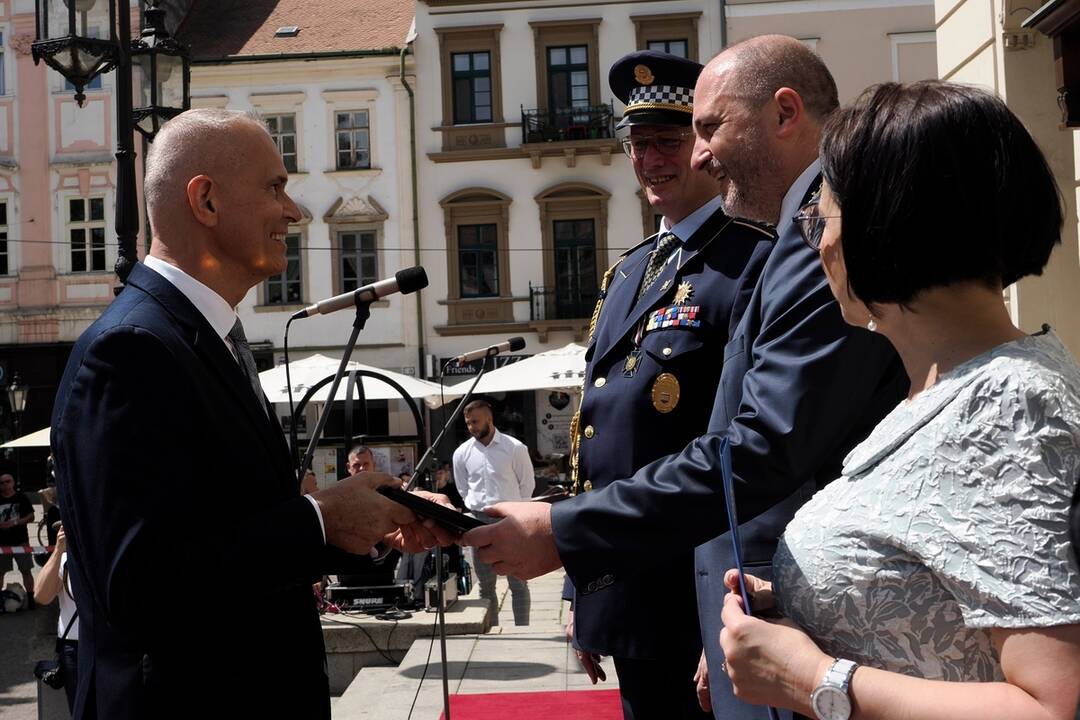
798, 388
196, 600
670, 305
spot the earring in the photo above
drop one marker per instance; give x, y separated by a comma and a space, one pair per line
872, 325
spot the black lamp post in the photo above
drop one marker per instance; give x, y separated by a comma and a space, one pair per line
17, 394
64, 44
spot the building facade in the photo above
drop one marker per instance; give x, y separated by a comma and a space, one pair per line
1032, 66
526, 197
57, 199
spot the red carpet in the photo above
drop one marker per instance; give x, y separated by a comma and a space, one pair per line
574, 705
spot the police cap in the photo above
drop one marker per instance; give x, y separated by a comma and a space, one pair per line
657, 88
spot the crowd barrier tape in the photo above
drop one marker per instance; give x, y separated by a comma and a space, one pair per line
25, 549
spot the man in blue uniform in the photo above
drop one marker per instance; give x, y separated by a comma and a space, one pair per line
668, 308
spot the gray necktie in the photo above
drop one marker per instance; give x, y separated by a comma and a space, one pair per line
657, 261
247, 360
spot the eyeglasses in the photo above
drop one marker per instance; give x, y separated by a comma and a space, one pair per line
635, 148
811, 223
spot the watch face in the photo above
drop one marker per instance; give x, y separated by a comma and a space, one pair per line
831, 703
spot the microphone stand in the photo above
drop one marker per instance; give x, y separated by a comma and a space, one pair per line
363, 312
423, 467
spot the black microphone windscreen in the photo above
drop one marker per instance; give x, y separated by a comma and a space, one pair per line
516, 343
411, 279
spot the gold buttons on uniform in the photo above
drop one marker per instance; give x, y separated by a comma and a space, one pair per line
589, 431
600, 382
666, 351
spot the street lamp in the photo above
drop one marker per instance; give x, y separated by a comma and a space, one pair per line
165, 91
17, 393
64, 43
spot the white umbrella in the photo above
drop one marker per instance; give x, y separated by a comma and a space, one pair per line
560, 368
309, 371
38, 438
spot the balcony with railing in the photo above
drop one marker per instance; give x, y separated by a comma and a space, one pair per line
593, 122
555, 303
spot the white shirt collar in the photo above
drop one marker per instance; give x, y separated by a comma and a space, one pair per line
685, 228
495, 436
212, 306
794, 196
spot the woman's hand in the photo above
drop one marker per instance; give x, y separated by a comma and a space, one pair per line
769, 662
760, 591
61, 541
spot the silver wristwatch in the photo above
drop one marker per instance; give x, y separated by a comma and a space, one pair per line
830, 700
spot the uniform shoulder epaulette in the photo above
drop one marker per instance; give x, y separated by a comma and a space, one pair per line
760, 227
646, 241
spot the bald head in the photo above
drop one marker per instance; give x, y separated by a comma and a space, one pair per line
759, 107
203, 141
756, 68
216, 199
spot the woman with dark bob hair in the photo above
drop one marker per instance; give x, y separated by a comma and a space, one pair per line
935, 578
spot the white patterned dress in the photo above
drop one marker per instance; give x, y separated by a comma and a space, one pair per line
950, 519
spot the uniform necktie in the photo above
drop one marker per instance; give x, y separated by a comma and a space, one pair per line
657, 261
246, 359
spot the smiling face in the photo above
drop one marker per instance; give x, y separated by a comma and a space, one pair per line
672, 187
734, 147
254, 210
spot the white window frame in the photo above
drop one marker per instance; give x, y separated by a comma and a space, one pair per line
87, 224
907, 38
352, 101
290, 103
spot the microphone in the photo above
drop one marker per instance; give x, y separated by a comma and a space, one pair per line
404, 281
512, 345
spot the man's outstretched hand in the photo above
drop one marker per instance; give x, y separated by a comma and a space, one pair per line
520, 544
425, 533
356, 516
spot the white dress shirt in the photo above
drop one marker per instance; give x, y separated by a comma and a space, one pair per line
794, 196
218, 313
493, 473
685, 228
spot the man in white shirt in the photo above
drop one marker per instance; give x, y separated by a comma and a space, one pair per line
490, 468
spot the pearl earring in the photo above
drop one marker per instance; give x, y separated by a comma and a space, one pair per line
872, 325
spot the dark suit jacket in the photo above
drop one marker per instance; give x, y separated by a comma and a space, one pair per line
799, 387
720, 262
192, 552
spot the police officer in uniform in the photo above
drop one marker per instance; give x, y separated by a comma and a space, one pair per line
665, 313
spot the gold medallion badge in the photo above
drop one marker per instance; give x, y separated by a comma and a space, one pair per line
665, 392
684, 292
643, 75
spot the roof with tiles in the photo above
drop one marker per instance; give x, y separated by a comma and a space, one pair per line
238, 28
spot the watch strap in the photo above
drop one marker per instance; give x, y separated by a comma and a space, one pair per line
839, 674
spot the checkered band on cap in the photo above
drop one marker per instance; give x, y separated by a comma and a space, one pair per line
664, 96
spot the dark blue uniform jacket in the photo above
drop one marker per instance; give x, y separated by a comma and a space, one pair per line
713, 275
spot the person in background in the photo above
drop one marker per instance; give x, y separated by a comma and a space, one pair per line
53, 583
361, 459
933, 580
16, 513
491, 467
444, 484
